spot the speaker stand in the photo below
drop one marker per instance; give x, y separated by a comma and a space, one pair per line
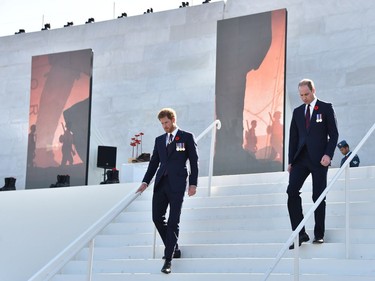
104, 176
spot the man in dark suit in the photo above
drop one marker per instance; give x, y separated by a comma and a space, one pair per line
312, 141
168, 161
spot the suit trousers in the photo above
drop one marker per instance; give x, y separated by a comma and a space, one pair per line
168, 230
301, 169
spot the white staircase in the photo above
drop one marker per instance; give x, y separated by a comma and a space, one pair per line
236, 234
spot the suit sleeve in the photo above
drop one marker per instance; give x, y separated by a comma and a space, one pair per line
193, 159
332, 132
293, 139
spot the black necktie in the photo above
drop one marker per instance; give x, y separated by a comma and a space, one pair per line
307, 117
169, 147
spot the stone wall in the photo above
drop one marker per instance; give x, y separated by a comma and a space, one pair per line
146, 62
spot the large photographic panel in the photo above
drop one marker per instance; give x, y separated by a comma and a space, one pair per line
250, 93
59, 118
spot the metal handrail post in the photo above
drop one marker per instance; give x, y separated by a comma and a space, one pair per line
296, 258
347, 220
90, 259
212, 152
154, 246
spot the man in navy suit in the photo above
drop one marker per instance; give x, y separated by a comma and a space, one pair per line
168, 161
312, 141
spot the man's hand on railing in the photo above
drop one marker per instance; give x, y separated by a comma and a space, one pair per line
142, 187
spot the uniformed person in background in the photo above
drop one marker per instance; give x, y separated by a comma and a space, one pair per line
344, 148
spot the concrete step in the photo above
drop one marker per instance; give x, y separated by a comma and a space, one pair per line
251, 188
234, 237
364, 172
334, 267
207, 277
146, 225
336, 196
253, 211
243, 250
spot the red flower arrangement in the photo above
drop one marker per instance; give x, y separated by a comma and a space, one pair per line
141, 134
316, 107
177, 138
135, 143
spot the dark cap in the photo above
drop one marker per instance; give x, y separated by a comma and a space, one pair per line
342, 143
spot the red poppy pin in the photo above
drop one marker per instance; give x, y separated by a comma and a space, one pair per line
177, 138
316, 107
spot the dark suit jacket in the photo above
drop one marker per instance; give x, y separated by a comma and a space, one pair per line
173, 160
321, 136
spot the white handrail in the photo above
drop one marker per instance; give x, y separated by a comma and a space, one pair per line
90, 260
347, 200
294, 235
53, 266
216, 125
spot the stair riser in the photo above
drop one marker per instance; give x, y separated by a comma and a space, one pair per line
234, 237
207, 251
363, 222
254, 266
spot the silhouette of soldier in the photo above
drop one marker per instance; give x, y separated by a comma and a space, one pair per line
275, 130
250, 139
31, 146
67, 141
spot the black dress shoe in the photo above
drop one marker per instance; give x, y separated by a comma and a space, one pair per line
318, 241
302, 238
167, 267
177, 254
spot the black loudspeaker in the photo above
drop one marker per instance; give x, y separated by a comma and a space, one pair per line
106, 157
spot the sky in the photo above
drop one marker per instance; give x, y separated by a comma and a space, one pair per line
31, 15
